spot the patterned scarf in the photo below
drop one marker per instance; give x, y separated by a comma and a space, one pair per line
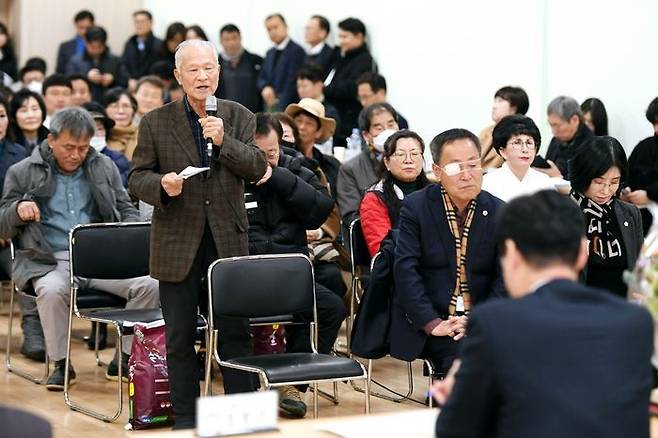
461, 295
605, 245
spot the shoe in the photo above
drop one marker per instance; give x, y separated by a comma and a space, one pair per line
290, 402
55, 381
33, 343
102, 336
112, 372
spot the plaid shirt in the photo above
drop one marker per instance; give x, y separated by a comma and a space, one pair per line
197, 132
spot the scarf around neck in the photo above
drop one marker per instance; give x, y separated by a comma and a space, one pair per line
460, 301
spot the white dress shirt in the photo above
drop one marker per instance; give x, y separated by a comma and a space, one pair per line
503, 184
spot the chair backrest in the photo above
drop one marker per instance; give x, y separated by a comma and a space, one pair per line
261, 286
110, 251
359, 254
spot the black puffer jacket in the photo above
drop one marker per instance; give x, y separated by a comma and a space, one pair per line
281, 210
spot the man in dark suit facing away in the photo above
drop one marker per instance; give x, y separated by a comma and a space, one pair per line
559, 360
199, 219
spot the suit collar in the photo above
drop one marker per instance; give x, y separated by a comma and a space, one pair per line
479, 226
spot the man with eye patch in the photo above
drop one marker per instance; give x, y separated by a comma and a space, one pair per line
446, 261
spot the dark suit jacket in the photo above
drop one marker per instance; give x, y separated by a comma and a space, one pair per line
324, 59
565, 361
65, 53
426, 269
166, 144
139, 63
283, 76
108, 63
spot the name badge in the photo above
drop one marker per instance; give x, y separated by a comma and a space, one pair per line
237, 414
460, 304
250, 205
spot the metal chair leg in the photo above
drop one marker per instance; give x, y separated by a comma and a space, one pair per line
210, 350
430, 370
315, 400
67, 396
410, 385
10, 367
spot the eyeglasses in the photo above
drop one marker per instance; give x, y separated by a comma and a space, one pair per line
601, 185
452, 169
411, 155
518, 144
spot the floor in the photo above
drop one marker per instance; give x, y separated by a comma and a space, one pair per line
93, 388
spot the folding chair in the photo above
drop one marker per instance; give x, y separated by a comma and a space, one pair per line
360, 260
265, 286
12, 368
109, 251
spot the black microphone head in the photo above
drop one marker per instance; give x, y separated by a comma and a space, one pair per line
211, 105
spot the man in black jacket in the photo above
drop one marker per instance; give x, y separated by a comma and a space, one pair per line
143, 49
340, 85
239, 70
280, 211
103, 69
569, 133
276, 80
319, 52
559, 360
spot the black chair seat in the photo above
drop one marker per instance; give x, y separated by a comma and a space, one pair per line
94, 298
272, 319
126, 318
301, 367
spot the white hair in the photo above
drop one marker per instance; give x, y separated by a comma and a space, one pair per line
193, 43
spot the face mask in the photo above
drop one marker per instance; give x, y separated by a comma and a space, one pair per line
35, 86
97, 142
379, 141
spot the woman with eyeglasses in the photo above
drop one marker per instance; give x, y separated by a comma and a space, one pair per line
516, 139
403, 174
614, 228
121, 106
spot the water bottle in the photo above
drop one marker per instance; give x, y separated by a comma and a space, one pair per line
353, 144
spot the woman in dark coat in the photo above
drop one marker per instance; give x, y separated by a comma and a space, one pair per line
598, 172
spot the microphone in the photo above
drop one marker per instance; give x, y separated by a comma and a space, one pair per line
211, 110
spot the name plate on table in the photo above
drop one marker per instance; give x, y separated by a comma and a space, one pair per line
237, 414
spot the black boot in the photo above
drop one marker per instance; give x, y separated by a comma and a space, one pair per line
33, 343
55, 381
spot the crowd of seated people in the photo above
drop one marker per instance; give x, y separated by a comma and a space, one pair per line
81, 125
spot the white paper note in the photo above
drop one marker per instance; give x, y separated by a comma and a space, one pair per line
191, 171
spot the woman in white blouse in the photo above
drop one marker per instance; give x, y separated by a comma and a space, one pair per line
517, 139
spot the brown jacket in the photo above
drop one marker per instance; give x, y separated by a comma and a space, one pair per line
166, 144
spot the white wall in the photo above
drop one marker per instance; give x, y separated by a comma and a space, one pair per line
444, 60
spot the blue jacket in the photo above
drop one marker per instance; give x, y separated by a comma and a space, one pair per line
121, 162
425, 267
283, 77
12, 153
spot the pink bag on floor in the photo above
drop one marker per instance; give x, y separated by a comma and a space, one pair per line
149, 398
268, 339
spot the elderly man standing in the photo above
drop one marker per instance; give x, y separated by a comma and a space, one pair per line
198, 220
63, 183
445, 259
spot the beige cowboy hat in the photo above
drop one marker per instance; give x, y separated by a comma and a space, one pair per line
315, 108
